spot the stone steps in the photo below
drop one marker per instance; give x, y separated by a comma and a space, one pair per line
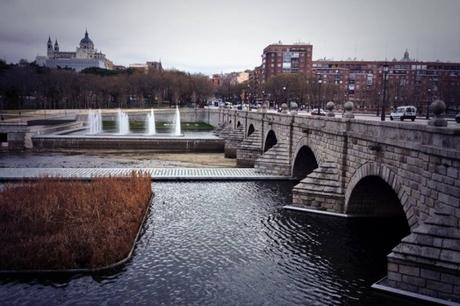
252, 142
249, 150
275, 160
232, 140
325, 178
320, 190
235, 135
224, 132
429, 257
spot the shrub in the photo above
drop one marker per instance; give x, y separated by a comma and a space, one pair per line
53, 223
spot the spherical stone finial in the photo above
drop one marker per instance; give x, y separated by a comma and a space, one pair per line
284, 108
330, 109
265, 106
294, 108
438, 107
348, 106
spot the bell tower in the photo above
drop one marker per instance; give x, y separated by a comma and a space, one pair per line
56, 46
49, 46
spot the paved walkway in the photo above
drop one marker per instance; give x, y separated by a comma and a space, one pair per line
158, 174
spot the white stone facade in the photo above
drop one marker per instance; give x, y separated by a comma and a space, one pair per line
85, 56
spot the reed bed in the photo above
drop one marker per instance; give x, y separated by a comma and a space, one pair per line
53, 223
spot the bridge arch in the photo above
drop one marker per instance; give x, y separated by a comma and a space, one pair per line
375, 190
251, 130
270, 140
304, 159
304, 163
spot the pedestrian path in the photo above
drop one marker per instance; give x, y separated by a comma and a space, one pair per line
157, 174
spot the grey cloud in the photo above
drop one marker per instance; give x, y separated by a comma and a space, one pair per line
213, 36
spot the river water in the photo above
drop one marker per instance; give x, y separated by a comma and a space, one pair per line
232, 243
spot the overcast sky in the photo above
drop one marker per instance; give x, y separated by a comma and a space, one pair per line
213, 36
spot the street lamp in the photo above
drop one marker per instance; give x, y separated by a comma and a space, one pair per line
285, 97
428, 101
385, 78
263, 98
319, 95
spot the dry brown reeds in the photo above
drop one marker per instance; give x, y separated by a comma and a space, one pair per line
71, 224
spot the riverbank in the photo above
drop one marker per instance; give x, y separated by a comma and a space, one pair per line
113, 159
55, 224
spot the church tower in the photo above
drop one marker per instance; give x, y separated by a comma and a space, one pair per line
49, 46
56, 46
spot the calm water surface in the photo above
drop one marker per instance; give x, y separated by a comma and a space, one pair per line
231, 243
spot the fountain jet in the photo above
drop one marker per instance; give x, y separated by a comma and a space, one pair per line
177, 131
95, 121
150, 123
122, 122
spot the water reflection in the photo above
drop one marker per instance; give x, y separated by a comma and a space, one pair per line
232, 243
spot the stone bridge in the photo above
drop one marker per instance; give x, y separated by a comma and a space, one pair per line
355, 167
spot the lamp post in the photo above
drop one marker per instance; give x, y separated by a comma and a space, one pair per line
428, 101
385, 77
263, 98
285, 97
319, 94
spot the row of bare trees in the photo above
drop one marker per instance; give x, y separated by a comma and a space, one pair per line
308, 92
29, 86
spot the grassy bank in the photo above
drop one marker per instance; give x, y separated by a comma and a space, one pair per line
140, 125
62, 224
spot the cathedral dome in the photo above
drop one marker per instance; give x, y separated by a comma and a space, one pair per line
86, 42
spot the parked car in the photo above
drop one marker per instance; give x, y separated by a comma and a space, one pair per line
315, 112
457, 118
404, 112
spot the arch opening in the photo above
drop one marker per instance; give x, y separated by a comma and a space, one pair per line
270, 141
251, 129
238, 124
305, 162
372, 196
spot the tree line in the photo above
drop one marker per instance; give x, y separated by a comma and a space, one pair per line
27, 85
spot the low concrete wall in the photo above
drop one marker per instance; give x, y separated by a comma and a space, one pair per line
177, 145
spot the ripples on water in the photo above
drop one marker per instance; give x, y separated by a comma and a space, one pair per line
227, 243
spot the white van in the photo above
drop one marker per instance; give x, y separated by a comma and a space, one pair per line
404, 112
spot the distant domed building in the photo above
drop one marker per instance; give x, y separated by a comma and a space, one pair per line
85, 56
406, 57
